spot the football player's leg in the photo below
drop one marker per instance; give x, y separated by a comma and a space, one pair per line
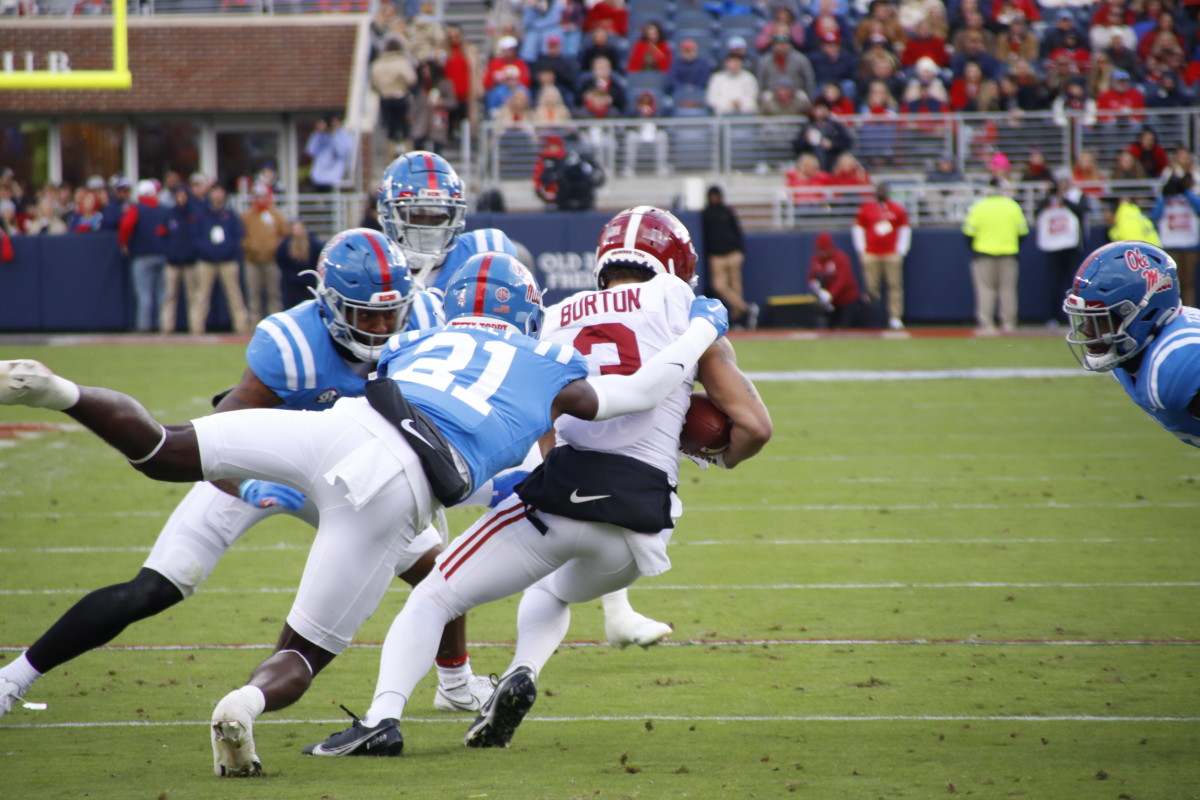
459, 688
199, 531
163, 453
493, 559
592, 560
368, 515
624, 626
603, 565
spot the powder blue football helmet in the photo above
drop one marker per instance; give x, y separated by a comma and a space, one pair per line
423, 208
1123, 295
495, 286
364, 289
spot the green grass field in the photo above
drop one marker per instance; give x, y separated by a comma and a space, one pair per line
971, 586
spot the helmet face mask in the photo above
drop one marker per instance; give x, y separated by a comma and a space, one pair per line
422, 207
494, 290
646, 238
364, 290
1123, 295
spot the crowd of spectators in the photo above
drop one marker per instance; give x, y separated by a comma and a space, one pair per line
885, 56
427, 75
180, 238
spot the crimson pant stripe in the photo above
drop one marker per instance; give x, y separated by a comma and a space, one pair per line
384, 268
481, 285
476, 540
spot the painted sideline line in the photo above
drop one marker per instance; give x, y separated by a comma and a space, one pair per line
655, 717
283, 546
824, 376
708, 643
748, 587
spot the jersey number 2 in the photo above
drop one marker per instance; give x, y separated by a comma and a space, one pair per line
629, 358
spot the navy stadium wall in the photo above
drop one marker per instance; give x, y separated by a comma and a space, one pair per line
81, 282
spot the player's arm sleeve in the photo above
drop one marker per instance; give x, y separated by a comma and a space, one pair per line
732, 392
273, 357
650, 385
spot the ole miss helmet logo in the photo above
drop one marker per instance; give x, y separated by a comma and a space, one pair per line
1136, 260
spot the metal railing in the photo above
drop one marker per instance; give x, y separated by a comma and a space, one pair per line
932, 204
895, 144
323, 214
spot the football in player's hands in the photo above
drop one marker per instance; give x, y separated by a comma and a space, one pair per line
706, 428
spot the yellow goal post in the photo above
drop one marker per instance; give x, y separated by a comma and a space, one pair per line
118, 77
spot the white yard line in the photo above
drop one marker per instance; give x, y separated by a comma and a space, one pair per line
656, 717
725, 587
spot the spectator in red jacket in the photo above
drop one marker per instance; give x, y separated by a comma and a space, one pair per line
611, 14
806, 176
882, 237
497, 68
1152, 156
925, 44
831, 278
651, 52
1165, 23
1122, 96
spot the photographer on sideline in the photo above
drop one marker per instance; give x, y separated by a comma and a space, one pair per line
566, 176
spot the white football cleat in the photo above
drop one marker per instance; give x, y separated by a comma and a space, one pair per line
233, 739
469, 695
10, 693
630, 627
26, 382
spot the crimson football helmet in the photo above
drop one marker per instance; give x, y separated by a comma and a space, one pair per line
648, 238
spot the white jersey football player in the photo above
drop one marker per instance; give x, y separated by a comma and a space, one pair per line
422, 207
598, 513
304, 358
456, 405
1127, 319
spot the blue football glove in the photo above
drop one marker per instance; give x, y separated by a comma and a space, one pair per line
711, 310
503, 485
264, 494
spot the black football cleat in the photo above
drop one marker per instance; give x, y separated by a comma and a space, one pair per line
504, 710
383, 739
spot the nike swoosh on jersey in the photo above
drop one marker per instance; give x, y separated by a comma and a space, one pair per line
407, 424
576, 497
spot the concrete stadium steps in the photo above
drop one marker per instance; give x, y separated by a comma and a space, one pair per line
471, 16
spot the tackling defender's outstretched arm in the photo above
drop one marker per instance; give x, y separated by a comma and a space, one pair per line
732, 392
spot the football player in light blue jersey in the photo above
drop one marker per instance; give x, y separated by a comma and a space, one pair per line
304, 358
1126, 318
375, 467
470, 244
422, 207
